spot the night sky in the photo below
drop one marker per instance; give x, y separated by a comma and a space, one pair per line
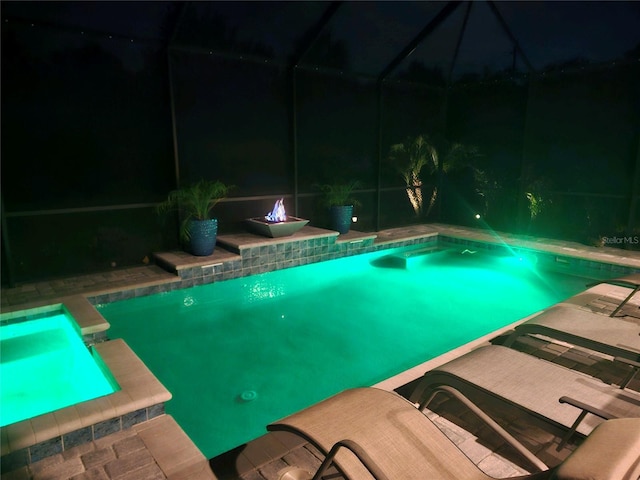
371, 34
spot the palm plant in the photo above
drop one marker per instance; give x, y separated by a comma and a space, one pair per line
410, 157
338, 197
537, 193
195, 202
339, 194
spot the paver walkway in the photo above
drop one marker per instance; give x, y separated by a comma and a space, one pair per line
154, 450
115, 280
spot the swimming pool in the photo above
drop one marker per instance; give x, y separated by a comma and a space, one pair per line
241, 353
45, 365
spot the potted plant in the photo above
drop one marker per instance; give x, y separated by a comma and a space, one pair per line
198, 228
339, 198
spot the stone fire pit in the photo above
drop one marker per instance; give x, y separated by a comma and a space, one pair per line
276, 223
275, 229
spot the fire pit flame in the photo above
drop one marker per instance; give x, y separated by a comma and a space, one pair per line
278, 213
277, 223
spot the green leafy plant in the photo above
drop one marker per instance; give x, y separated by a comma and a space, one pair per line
339, 194
537, 194
415, 153
409, 159
535, 204
195, 202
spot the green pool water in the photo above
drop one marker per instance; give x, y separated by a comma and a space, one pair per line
239, 354
45, 366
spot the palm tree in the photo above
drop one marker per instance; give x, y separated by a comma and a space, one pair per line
419, 152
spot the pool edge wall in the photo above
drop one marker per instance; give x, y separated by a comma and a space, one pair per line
251, 254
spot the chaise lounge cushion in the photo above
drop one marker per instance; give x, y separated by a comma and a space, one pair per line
502, 375
611, 452
614, 336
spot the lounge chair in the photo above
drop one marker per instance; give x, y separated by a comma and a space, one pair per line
564, 397
371, 433
629, 281
609, 297
612, 336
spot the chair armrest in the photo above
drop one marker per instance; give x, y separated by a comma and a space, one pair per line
631, 363
358, 451
585, 407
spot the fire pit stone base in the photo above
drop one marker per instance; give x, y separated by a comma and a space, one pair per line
263, 227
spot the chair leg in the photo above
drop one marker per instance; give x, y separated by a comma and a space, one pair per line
624, 302
571, 431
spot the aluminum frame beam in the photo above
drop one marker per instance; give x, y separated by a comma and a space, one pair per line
448, 9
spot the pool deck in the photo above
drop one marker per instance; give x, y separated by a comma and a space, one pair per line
148, 450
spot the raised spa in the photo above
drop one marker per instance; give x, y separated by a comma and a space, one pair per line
242, 353
45, 364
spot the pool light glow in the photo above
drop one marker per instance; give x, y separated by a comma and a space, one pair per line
46, 366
